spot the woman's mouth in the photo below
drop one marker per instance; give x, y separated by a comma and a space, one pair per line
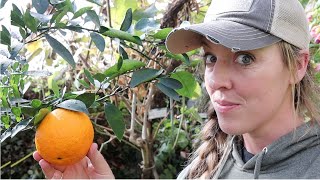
223, 106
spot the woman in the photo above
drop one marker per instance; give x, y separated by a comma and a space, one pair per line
260, 82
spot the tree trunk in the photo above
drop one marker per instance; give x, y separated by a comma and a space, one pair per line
170, 19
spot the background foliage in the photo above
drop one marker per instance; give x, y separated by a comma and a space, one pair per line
110, 55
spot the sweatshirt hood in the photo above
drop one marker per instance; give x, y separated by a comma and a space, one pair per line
304, 136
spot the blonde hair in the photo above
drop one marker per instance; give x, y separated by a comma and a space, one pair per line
214, 141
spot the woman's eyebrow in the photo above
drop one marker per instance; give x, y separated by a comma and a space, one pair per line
205, 43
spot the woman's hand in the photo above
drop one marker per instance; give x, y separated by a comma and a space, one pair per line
93, 166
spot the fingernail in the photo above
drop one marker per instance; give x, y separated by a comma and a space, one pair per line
93, 148
95, 145
42, 163
57, 175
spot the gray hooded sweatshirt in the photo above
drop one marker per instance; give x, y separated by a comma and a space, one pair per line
294, 155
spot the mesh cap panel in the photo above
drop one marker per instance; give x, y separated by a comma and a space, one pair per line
290, 24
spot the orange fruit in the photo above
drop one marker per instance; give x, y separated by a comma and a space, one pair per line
64, 137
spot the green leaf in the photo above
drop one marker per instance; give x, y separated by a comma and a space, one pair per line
114, 33
16, 91
20, 126
120, 7
80, 12
170, 83
146, 24
15, 78
4, 90
54, 16
5, 37
191, 87
74, 28
40, 115
35, 103
182, 57
89, 76
87, 98
84, 83
60, 14
15, 66
16, 17
5, 119
123, 53
182, 139
74, 105
99, 76
144, 75
2, 3
150, 12
115, 119
29, 110
119, 64
23, 33
16, 10
128, 65
98, 41
178, 57
41, 17
24, 68
94, 18
186, 57
30, 21
16, 111
71, 95
40, 5
162, 34
4, 102
127, 21
168, 91
55, 88
61, 50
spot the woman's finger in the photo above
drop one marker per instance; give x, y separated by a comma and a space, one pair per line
47, 169
98, 162
57, 175
36, 156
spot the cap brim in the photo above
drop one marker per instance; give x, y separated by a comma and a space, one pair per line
230, 34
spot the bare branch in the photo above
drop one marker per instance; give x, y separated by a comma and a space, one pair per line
147, 107
133, 115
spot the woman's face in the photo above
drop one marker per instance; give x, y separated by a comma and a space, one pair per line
250, 90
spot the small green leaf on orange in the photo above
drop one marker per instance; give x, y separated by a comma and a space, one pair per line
40, 115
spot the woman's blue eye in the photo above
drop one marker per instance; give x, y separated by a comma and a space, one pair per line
244, 59
209, 58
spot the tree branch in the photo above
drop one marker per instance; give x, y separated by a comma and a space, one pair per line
170, 18
133, 116
147, 107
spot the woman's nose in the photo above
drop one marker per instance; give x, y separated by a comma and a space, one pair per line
219, 76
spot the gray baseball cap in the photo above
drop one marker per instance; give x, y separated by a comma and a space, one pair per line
245, 25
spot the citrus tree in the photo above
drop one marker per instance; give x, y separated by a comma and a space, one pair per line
105, 58
108, 59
